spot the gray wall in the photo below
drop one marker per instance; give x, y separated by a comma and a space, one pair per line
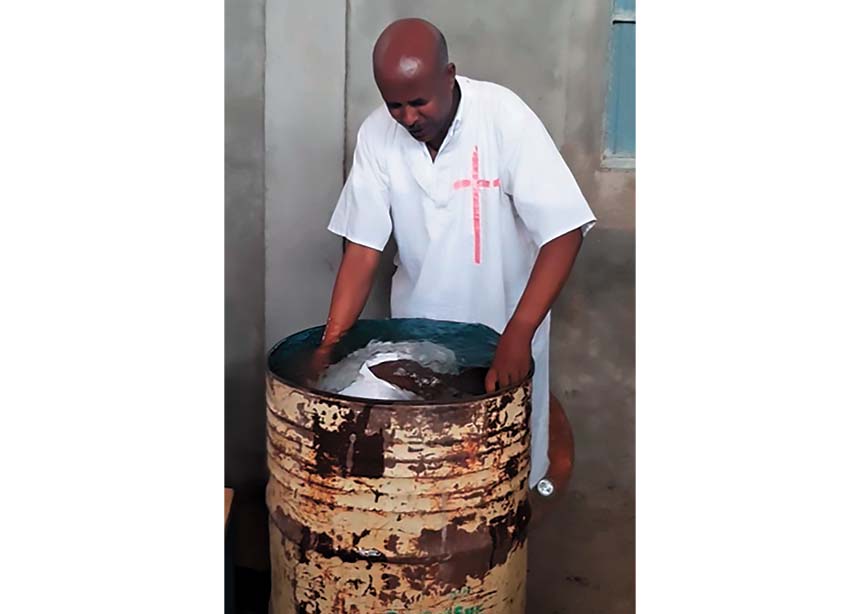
318, 88
305, 66
244, 295
520, 45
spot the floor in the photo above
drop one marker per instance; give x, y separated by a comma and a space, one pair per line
581, 557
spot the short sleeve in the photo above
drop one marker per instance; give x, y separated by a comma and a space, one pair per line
543, 189
362, 214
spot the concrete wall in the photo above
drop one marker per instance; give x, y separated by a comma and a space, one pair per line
244, 264
520, 45
305, 65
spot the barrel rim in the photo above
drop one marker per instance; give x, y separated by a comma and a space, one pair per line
323, 395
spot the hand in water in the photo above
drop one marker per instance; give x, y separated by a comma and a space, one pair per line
512, 361
318, 363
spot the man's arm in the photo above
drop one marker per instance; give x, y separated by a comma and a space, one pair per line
551, 269
351, 289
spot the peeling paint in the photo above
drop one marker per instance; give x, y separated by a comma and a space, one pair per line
397, 507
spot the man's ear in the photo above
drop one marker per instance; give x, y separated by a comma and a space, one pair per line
451, 72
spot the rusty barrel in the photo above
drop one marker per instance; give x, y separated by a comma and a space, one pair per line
383, 507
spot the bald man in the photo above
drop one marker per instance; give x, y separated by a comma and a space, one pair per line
487, 217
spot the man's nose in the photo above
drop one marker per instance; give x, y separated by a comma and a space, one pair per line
410, 115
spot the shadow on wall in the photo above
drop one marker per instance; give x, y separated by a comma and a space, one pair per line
605, 267
245, 460
244, 425
592, 349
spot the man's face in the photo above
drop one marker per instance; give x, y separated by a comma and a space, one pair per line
420, 104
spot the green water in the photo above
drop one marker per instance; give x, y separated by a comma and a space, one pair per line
473, 344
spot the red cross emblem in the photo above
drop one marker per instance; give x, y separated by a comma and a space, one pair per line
476, 184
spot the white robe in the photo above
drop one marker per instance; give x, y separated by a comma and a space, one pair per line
468, 226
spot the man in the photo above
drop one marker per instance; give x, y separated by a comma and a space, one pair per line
487, 217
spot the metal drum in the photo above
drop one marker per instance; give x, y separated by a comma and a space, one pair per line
382, 507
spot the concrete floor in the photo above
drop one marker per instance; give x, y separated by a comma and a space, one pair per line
582, 555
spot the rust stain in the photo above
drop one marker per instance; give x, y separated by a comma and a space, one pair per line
390, 581
391, 543
512, 468
397, 507
349, 449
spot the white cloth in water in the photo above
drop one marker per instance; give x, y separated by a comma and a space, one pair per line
368, 386
352, 375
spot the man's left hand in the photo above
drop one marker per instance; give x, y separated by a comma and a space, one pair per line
513, 358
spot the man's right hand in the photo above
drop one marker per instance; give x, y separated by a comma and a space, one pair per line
351, 289
318, 363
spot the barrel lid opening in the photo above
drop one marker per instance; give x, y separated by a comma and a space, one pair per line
473, 344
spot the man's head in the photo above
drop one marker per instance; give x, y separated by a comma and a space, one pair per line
412, 72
